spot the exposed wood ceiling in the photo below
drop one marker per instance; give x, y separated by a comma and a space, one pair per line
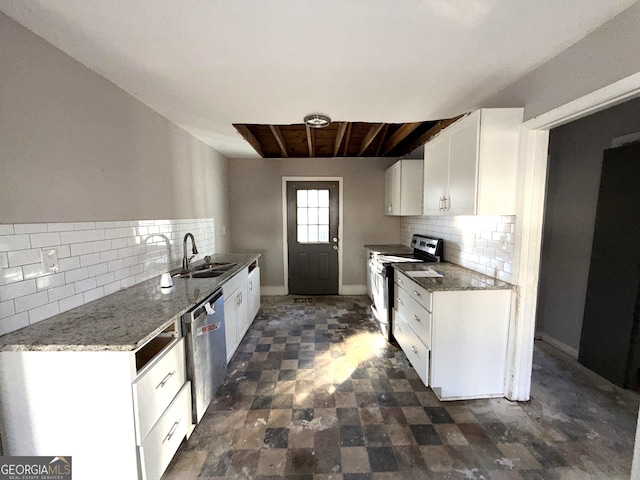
340, 139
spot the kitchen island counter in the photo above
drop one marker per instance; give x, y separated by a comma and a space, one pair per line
125, 320
455, 277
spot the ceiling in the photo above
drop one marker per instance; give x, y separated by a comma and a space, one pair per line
340, 139
209, 64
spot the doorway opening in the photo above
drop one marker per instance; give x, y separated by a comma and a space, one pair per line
312, 229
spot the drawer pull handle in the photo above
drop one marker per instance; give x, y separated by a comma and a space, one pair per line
165, 380
417, 319
171, 432
414, 349
400, 301
416, 293
400, 280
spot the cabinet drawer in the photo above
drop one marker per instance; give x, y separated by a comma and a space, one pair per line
415, 291
414, 349
161, 444
418, 318
156, 387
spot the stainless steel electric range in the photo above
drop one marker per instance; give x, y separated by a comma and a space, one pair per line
380, 276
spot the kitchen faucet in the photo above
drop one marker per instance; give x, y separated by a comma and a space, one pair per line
194, 250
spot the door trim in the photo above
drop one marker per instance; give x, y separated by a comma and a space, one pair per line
285, 244
534, 148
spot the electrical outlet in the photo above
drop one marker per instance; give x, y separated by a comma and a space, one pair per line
49, 260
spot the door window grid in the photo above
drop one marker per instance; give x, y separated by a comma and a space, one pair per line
313, 216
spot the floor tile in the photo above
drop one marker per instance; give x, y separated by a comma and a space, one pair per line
313, 394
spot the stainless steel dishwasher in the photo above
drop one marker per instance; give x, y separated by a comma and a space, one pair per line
206, 351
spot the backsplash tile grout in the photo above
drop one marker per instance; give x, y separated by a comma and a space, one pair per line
473, 242
95, 259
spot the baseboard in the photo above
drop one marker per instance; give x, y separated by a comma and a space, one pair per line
563, 347
273, 291
354, 290
279, 290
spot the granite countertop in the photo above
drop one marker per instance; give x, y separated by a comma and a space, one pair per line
125, 320
456, 278
391, 249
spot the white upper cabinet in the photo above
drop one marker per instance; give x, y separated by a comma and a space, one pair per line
471, 166
403, 188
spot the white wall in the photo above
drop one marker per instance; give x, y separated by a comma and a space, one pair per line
74, 147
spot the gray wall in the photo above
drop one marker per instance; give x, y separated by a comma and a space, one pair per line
74, 147
575, 152
256, 209
608, 54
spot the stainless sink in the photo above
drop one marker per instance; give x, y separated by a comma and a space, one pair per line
207, 270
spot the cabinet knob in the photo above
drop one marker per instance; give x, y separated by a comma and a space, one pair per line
414, 349
399, 301
416, 293
417, 319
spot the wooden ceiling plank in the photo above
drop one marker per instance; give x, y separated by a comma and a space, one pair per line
347, 138
310, 141
426, 136
339, 136
403, 132
369, 137
278, 136
249, 137
383, 136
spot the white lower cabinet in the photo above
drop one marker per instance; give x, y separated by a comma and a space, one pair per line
456, 340
163, 440
241, 305
130, 409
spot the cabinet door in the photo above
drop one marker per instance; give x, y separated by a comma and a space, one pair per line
231, 324
243, 312
436, 173
254, 294
463, 165
392, 190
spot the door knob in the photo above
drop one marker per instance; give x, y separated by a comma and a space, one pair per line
335, 247
335, 239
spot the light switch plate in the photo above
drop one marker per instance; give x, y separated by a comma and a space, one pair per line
49, 260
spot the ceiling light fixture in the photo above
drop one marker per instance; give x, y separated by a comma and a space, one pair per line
317, 120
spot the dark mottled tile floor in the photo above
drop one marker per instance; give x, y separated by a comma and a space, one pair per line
313, 392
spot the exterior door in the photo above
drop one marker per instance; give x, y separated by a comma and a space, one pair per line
312, 236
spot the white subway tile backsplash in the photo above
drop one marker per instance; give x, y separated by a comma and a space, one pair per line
14, 322
9, 243
474, 242
30, 228
94, 259
33, 270
11, 275
91, 295
18, 289
7, 229
71, 302
58, 293
31, 301
46, 311
7, 309
45, 239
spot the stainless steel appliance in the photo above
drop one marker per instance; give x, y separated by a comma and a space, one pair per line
206, 351
380, 282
